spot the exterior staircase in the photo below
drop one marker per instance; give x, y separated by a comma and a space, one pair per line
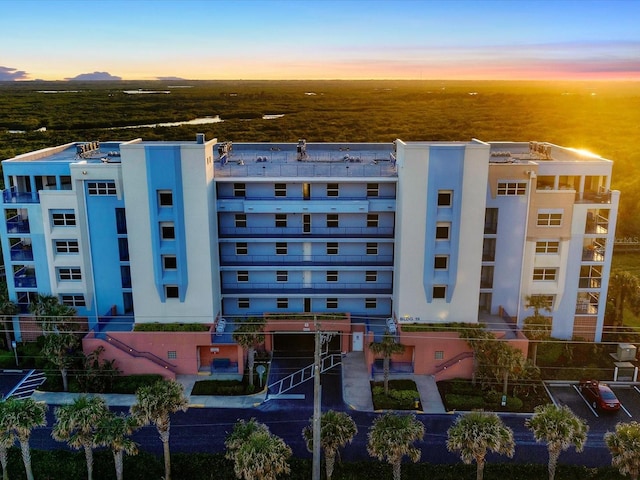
31, 381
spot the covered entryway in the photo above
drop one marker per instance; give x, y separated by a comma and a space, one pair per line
301, 344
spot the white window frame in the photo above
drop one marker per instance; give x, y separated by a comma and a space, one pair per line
164, 262
441, 257
333, 220
63, 218
281, 220
242, 248
370, 303
242, 276
511, 188
282, 302
549, 218
282, 248
373, 220
333, 189
69, 274
371, 276
101, 188
239, 189
439, 288
282, 276
441, 225
66, 247
442, 195
244, 303
280, 189
332, 276
332, 303
372, 248
332, 248
170, 289
545, 274
73, 300
373, 189
240, 220
163, 195
164, 231
547, 247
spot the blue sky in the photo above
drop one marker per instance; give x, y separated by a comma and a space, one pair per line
299, 39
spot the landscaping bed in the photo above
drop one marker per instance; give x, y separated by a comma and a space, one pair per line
461, 394
403, 395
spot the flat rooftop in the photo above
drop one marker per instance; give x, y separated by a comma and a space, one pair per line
89, 152
305, 160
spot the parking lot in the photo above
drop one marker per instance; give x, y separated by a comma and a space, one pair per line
569, 394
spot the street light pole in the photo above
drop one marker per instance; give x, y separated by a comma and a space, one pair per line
317, 407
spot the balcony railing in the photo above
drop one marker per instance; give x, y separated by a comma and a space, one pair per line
20, 252
589, 282
18, 224
594, 197
230, 260
593, 254
12, 195
275, 232
314, 288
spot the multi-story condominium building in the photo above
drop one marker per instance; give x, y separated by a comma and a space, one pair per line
356, 234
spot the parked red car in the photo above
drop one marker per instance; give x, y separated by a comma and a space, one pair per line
599, 395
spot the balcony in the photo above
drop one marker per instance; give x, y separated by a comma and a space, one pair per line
594, 197
25, 278
297, 232
21, 252
590, 282
307, 288
12, 195
314, 260
18, 224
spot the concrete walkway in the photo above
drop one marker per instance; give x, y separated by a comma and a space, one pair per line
356, 391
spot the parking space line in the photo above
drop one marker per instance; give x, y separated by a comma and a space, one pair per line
625, 410
636, 389
585, 401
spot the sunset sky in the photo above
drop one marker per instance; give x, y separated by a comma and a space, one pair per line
299, 39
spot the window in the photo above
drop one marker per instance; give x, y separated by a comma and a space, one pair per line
101, 188
546, 300
490, 221
489, 250
241, 220
169, 262
280, 189
282, 276
123, 249
172, 354
512, 188
371, 276
121, 221
439, 355
125, 276
332, 220
332, 276
486, 276
373, 189
544, 274
549, 219
439, 291
239, 190
332, 190
372, 248
63, 219
372, 220
66, 246
445, 198
171, 291
282, 302
441, 262
167, 231
244, 303
71, 273
242, 248
442, 231
281, 248
332, 303
73, 300
547, 246
370, 303
242, 276
281, 220
332, 248
165, 198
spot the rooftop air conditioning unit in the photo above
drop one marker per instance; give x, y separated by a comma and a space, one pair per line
626, 352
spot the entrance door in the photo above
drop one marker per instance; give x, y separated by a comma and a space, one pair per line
307, 305
306, 223
357, 341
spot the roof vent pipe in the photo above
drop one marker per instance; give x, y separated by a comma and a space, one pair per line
200, 138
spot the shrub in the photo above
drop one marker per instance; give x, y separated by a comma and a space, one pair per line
171, 327
131, 383
218, 387
454, 401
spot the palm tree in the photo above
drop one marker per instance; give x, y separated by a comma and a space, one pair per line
155, 404
336, 430
7, 310
7, 438
241, 432
537, 327
387, 347
391, 437
624, 445
53, 315
257, 453
57, 348
23, 417
113, 432
623, 287
474, 433
77, 424
250, 334
560, 428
